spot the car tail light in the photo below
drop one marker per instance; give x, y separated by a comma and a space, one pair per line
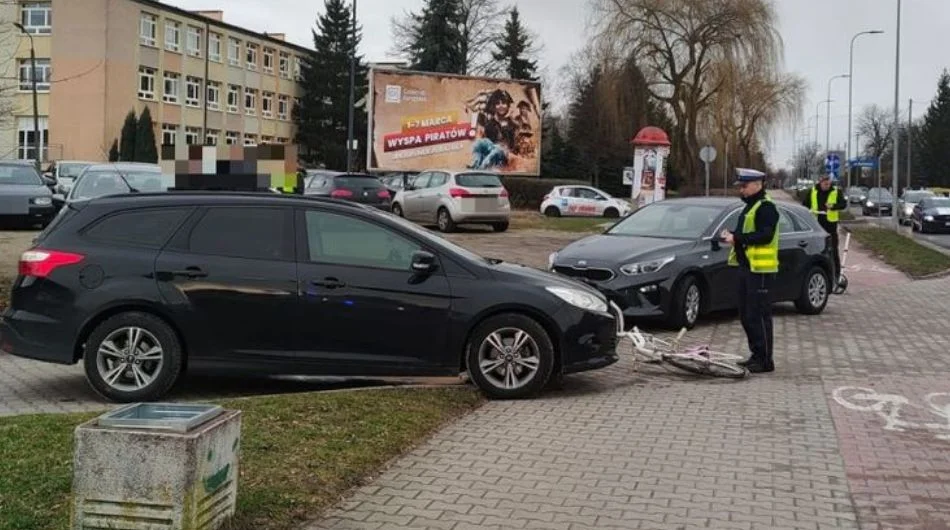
457, 193
41, 263
341, 194
504, 194
383, 194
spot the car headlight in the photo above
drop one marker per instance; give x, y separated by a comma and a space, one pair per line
41, 201
928, 218
578, 298
646, 267
870, 204
551, 257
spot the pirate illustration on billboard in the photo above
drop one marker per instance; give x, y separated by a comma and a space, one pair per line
503, 131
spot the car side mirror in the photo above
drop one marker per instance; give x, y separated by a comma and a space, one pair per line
423, 262
714, 243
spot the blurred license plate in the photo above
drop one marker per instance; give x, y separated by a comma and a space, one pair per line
486, 204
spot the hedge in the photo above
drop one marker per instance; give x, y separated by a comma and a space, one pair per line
529, 192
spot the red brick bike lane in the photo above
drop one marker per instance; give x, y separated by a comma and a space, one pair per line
894, 438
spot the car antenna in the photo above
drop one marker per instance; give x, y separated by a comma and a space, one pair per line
118, 171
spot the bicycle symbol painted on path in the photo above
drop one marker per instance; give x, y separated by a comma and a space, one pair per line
889, 407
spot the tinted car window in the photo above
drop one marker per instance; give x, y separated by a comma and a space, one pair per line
668, 220
357, 182
917, 196
785, 223
110, 182
478, 180
317, 182
438, 179
21, 175
936, 202
339, 239
148, 228
585, 193
253, 233
71, 170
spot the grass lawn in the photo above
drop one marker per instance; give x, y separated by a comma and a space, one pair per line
300, 453
536, 221
846, 215
901, 252
6, 282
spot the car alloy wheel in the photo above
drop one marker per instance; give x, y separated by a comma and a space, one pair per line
509, 358
692, 301
130, 359
397, 210
444, 220
817, 290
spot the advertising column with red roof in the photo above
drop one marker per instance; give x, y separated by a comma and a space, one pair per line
651, 148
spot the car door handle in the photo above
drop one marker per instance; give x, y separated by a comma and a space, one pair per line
191, 272
803, 243
329, 283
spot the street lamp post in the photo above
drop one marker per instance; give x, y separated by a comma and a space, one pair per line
897, 79
850, 90
828, 121
36, 106
352, 113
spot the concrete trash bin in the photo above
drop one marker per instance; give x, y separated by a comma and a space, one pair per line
156, 466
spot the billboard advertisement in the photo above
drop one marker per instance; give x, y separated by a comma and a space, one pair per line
420, 121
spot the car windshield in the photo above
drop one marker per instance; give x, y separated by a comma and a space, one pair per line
356, 181
879, 194
917, 196
668, 219
478, 180
936, 202
99, 183
21, 175
71, 171
856, 191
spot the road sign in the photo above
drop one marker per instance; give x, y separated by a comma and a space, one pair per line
707, 154
867, 162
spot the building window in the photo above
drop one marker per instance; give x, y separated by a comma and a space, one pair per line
283, 102
268, 60
234, 97
284, 65
234, 52
232, 137
194, 41
214, 47
250, 101
214, 95
281, 140
211, 137
169, 134
37, 17
267, 139
192, 136
148, 29
193, 91
43, 74
26, 138
250, 140
172, 36
171, 90
146, 82
251, 56
267, 105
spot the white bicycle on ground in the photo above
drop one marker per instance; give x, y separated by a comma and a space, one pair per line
697, 358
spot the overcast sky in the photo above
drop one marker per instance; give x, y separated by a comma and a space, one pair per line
816, 33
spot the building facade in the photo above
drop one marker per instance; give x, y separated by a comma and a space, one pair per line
204, 81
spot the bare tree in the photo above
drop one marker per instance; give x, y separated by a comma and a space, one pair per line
876, 127
483, 22
679, 42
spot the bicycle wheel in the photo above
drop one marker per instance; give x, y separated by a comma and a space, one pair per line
702, 366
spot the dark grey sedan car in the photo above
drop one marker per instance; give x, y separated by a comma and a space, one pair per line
25, 195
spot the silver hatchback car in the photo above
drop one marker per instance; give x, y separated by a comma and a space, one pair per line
451, 198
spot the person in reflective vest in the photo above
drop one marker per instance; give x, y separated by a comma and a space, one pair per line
825, 201
755, 252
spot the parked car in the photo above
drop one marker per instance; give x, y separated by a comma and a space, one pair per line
931, 214
451, 198
583, 201
908, 201
65, 173
665, 261
880, 202
139, 286
114, 178
394, 182
355, 187
857, 195
25, 195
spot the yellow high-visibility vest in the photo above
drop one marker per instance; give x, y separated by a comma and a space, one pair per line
762, 258
832, 198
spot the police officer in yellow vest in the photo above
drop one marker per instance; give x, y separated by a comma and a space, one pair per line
825, 201
755, 252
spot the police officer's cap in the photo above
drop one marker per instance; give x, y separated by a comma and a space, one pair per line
748, 175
